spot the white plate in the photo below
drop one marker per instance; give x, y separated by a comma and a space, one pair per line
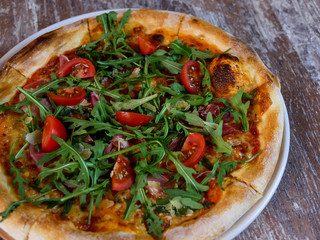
249, 216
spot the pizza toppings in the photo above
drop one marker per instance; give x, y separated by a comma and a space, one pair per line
52, 126
193, 149
191, 76
78, 67
122, 174
133, 119
68, 96
138, 105
145, 46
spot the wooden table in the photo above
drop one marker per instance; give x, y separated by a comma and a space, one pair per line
286, 35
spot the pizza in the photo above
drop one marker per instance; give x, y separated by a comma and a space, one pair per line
135, 124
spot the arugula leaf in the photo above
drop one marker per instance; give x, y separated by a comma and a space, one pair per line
205, 162
179, 48
124, 19
185, 172
236, 102
136, 195
132, 104
18, 179
193, 119
4, 107
153, 221
177, 87
84, 175
99, 111
188, 202
120, 63
202, 55
16, 204
181, 193
103, 19
177, 205
44, 111
10, 209
216, 137
172, 66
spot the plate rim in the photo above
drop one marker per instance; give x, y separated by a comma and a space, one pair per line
245, 220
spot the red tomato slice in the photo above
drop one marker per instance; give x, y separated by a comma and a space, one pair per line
193, 149
68, 96
133, 119
80, 68
122, 174
191, 76
52, 126
145, 46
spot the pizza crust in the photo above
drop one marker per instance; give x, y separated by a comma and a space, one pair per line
237, 199
145, 21
51, 227
19, 222
37, 53
10, 79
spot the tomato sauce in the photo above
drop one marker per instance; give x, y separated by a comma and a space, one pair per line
53, 65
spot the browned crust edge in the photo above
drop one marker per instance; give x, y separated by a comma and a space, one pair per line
19, 222
51, 227
150, 21
37, 53
10, 79
237, 199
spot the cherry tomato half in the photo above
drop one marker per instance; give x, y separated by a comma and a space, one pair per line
193, 149
145, 46
122, 174
52, 126
80, 68
133, 119
191, 76
68, 96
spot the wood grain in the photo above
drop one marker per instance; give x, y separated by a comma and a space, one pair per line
285, 34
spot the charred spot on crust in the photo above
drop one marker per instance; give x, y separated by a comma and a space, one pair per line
223, 77
157, 38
